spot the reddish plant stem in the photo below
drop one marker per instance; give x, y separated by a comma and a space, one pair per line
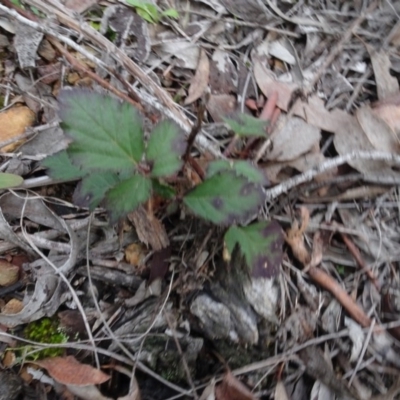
360, 261
269, 113
269, 107
327, 282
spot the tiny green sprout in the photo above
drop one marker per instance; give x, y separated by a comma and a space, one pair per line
341, 269
16, 3
45, 330
150, 12
9, 180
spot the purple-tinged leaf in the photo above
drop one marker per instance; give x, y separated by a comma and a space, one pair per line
91, 190
225, 198
261, 244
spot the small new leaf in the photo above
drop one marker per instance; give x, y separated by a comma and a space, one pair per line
241, 167
60, 167
246, 125
91, 190
148, 11
165, 148
127, 195
9, 180
107, 134
261, 244
170, 12
225, 198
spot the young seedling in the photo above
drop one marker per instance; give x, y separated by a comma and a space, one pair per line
120, 169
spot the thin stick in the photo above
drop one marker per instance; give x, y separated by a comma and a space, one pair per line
307, 176
339, 46
360, 261
328, 283
86, 30
81, 67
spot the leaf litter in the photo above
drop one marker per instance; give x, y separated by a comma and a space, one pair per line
289, 91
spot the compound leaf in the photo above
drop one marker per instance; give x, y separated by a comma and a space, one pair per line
92, 189
241, 167
261, 244
60, 167
9, 180
165, 148
107, 133
246, 125
225, 198
127, 195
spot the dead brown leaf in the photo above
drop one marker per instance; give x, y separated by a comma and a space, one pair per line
223, 73
69, 371
199, 82
71, 321
134, 254
317, 250
13, 123
232, 389
295, 237
312, 111
220, 106
349, 136
280, 392
8, 273
386, 84
14, 306
379, 133
268, 83
389, 111
292, 137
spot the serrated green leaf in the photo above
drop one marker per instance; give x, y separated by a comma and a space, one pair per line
92, 189
152, 10
107, 134
10, 180
241, 167
134, 3
127, 195
171, 12
261, 244
164, 191
225, 198
147, 11
60, 167
246, 125
165, 148
146, 16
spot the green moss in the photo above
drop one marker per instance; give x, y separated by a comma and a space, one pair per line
45, 330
